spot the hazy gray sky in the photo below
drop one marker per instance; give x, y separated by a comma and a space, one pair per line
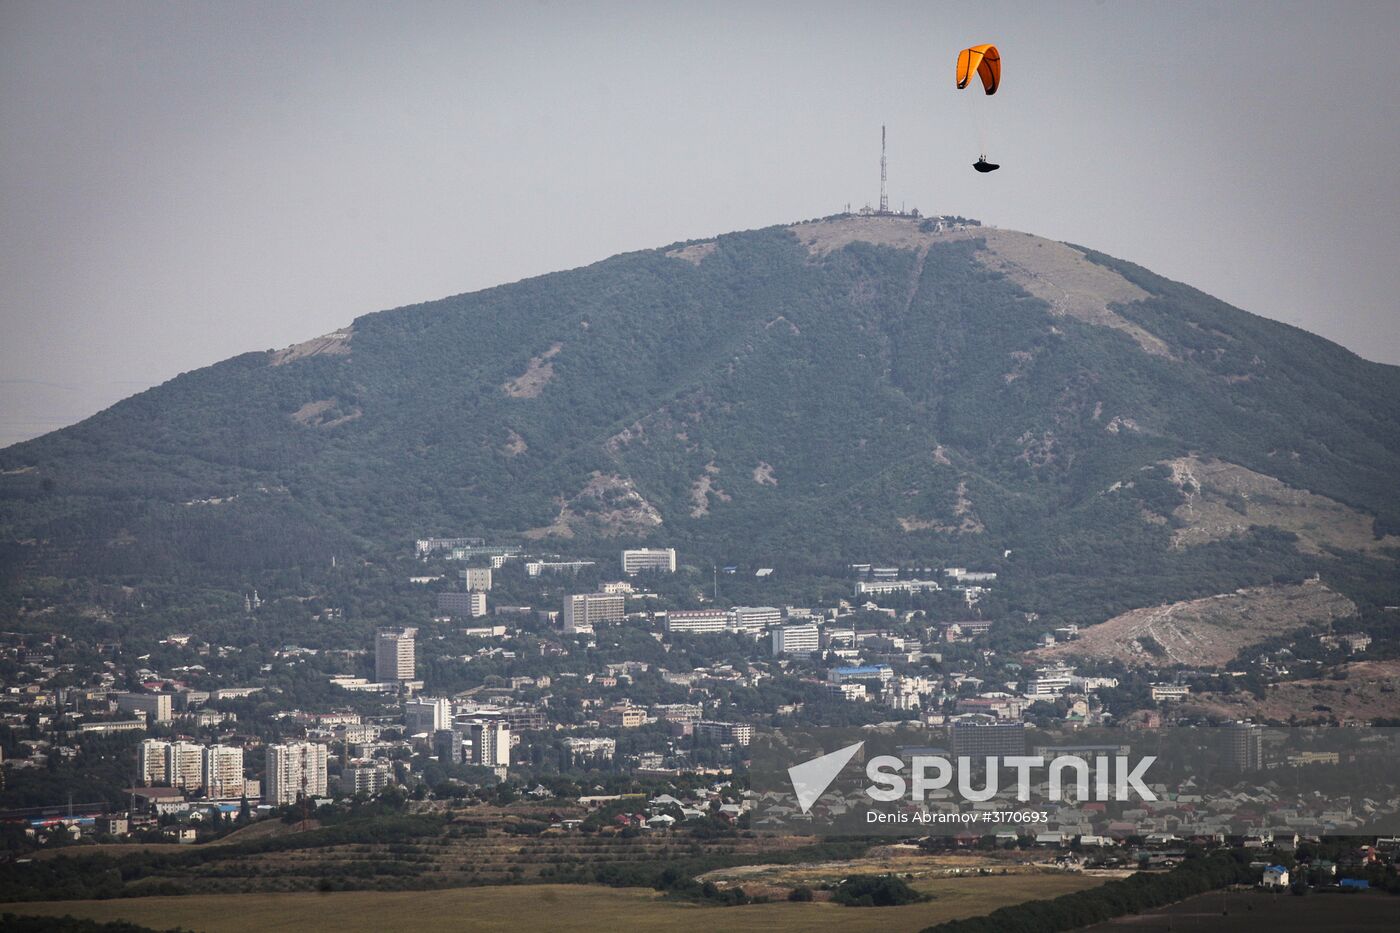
181, 182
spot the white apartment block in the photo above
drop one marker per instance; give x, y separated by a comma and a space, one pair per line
223, 771
393, 654
878, 587
1048, 686
366, 778
293, 770
583, 749
697, 621
796, 640
536, 567
753, 620
585, 610
639, 560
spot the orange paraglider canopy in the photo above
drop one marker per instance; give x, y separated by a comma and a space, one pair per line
983, 59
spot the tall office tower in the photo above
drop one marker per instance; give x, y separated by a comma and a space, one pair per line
293, 770
223, 772
150, 762
638, 560
393, 654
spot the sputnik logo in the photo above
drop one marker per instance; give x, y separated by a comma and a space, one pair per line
811, 778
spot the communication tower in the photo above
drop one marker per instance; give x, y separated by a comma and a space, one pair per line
884, 199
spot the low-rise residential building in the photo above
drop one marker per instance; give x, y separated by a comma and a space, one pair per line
471, 604
538, 567
880, 674
1169, 692
697, 621
624, 717
754, 620
585, 611
740, 733
880, 587
590, 749
366, 777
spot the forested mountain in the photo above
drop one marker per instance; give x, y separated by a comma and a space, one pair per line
855, 388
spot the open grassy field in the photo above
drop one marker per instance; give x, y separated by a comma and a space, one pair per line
562, 908
1229, 912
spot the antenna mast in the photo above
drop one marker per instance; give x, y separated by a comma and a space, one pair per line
884, 199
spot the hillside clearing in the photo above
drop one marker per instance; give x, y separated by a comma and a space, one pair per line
1207, 632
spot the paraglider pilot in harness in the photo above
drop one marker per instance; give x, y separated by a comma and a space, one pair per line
985, 62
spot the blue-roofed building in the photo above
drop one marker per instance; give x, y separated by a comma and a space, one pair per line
882, 673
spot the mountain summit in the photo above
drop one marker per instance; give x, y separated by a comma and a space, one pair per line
857, 387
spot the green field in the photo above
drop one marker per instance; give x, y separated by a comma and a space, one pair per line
562, 908
1227, 912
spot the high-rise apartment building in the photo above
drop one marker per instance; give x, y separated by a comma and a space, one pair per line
490, 743
1244, 746
184, 765
223, 772
293, 770
150, 762
393, 654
